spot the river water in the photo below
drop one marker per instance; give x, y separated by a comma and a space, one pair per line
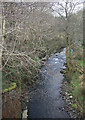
47, 101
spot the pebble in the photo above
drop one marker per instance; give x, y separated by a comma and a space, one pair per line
71, 97
24, 114
68, 98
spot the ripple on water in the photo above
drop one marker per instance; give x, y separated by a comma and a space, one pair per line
48, 103
56, 59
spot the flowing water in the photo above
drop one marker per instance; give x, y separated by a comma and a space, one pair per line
47, 101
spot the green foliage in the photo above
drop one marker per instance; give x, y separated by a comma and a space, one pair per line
5, 85
80, 62
39, 66
76, 92
74, 106
36, 59
12, 86
75, 80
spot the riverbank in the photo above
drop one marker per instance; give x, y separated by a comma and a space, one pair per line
69, 100
73, 108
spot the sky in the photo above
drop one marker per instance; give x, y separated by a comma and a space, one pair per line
59, 7
38, 0
61, 1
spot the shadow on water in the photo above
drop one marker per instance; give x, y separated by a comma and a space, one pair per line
47, 101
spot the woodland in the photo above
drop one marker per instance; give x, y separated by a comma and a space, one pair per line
31, 33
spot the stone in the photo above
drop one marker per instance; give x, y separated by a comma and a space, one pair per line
71, 97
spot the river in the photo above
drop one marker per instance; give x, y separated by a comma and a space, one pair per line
47, 101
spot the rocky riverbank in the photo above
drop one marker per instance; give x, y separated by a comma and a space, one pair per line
69, 99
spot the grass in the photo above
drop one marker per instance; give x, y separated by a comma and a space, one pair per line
77, 92
5, 84
77, 86
80, 62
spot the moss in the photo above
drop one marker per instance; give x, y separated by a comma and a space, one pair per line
10, 88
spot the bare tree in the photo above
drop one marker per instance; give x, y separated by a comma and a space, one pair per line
27, 29
65, 10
